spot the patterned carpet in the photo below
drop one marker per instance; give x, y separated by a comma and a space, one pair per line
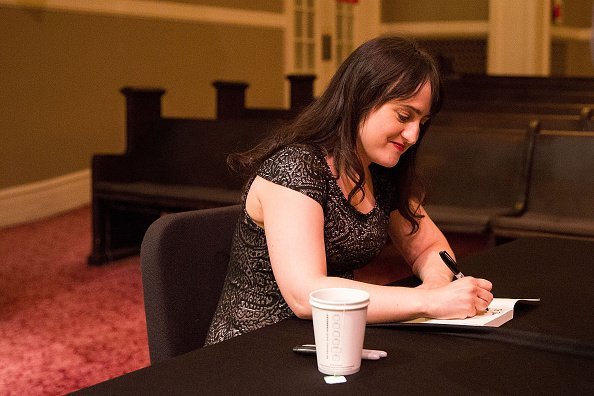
63, 324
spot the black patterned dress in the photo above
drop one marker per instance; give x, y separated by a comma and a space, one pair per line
251, 298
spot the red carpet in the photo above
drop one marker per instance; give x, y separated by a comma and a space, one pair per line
63, 324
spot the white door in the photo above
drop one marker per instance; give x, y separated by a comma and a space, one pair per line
322, 33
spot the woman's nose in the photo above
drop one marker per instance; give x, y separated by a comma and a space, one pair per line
411, 132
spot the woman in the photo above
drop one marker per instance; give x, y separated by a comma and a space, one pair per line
326, 193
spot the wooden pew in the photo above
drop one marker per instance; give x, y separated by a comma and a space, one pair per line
546, 90
230, 99
525, 95
583, 122
169, 165
474, 174
502, 106
561, 190
476, 155
518, 96
462, 89
483, 102
521, 83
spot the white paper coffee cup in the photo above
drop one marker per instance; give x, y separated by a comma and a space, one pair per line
339, 319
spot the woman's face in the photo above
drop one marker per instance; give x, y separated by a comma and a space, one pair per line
393, 128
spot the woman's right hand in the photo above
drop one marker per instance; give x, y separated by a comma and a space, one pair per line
459, 299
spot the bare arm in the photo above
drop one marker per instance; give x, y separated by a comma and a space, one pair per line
421, 250
294, 227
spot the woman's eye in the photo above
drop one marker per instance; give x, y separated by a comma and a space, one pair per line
403, 117
426, 120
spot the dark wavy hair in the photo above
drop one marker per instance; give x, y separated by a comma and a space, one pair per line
380, 70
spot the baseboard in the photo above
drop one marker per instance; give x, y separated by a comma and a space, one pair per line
35, 201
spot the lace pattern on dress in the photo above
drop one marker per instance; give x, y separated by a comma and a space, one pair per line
250, 298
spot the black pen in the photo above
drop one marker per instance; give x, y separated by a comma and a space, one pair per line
449, 261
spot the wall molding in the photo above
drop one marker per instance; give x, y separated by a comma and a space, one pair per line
438, 29
35, 201
473, 29
570, 33
158, 10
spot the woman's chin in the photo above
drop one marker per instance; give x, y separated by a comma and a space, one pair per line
389, 162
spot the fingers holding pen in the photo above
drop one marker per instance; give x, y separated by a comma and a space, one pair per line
466, 296
484, 298
479, 290
472, 282
484, 284
463, 298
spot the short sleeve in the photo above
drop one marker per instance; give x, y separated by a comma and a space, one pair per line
299, 168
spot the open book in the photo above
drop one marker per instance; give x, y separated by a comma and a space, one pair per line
500, 311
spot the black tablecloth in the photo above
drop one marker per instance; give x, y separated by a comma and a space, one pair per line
560, 272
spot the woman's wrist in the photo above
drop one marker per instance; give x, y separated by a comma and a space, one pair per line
426, 300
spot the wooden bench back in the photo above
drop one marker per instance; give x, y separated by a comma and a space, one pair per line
502, 106
194, 152
561, 122
562, 177
475, 167
523, 83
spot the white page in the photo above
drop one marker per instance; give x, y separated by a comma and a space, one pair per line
500, 311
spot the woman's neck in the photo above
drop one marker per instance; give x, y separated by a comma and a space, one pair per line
362, 202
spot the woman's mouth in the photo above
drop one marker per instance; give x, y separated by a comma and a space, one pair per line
399, 147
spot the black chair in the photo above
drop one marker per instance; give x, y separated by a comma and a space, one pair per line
183, 260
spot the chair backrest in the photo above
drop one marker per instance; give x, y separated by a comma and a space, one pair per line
183, 260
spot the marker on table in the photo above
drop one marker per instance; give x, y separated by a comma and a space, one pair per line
449, 261
367, 354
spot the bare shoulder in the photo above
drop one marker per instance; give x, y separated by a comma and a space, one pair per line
266, 197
